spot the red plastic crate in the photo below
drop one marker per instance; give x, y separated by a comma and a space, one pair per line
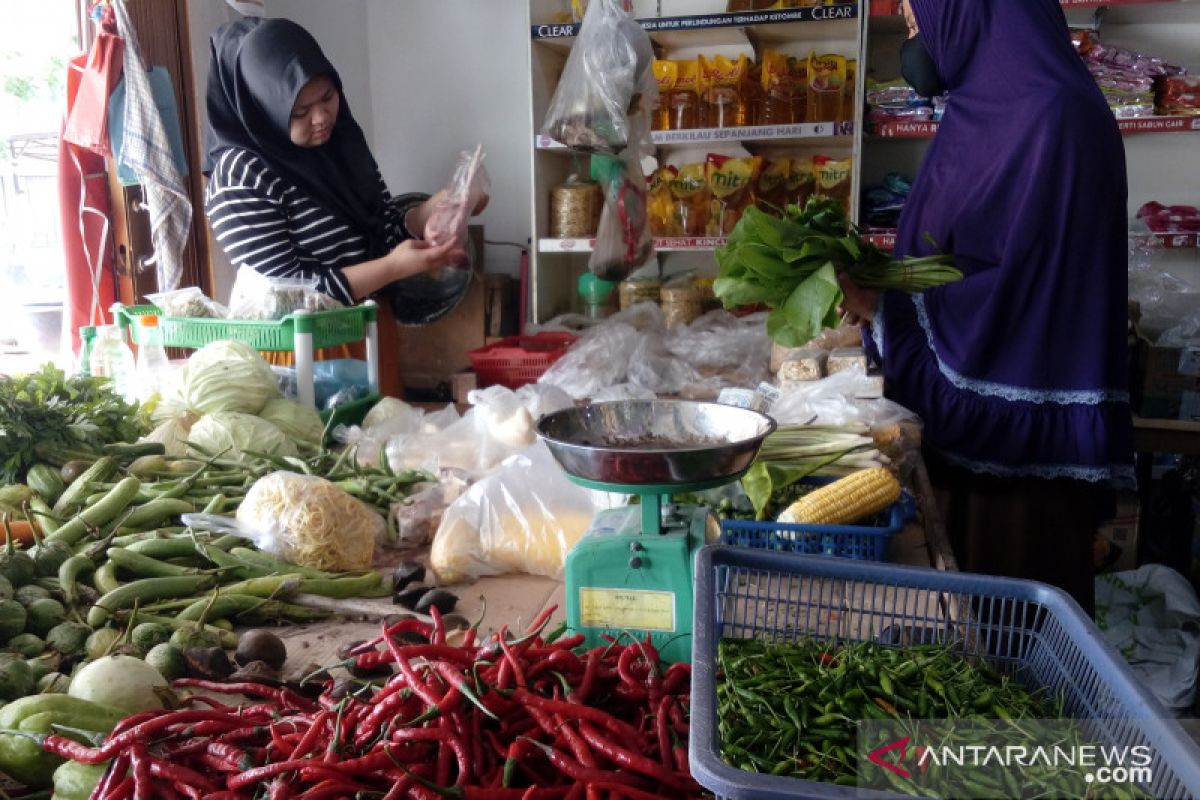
517, 360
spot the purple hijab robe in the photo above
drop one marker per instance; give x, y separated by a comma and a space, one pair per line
1020, 369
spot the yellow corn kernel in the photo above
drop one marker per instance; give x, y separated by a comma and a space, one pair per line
845, 501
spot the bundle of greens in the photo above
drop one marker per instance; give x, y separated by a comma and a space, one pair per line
790, 265
47, 410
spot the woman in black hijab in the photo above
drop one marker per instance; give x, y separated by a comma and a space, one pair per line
294, 191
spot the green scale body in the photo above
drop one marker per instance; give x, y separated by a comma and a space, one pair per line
631, 573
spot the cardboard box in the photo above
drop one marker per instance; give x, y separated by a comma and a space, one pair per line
461, 384
1162, 388
1117, 538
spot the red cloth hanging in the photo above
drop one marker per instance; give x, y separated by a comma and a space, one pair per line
83, 185
91, 79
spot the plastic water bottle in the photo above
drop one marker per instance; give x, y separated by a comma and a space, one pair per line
111, 358
152, 364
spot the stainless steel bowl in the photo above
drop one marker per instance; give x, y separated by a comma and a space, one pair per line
645, 442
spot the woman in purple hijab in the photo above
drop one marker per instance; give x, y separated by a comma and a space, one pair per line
1019, 370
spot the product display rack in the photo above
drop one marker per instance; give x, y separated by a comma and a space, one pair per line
1162, 159
677, 32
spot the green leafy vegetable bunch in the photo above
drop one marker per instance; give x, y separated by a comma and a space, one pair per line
48, 409
790, 265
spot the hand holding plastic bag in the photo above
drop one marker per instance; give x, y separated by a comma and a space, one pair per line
468, 189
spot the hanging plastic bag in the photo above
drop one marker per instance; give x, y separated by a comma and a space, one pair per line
468, 187
97, 74
623, 241
609, 68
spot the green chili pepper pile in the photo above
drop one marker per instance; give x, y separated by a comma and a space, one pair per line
792, 708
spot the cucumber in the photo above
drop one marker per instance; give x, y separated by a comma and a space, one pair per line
74, 495
145, 591
144, 566
46, 481
156, 511
103, 512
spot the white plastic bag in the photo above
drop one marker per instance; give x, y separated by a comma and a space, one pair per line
600, 358
468, 186
190, 301
524, 518
1151, 615
841, 399
259, 297
417, 518
609, 68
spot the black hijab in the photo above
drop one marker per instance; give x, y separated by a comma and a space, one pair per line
258, 67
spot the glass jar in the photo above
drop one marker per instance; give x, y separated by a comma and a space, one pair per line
639, 290
680, 303
575, 209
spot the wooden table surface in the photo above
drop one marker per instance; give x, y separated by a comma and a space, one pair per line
514, 600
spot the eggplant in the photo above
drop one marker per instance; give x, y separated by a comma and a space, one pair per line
410, 596
440, 599
407, 572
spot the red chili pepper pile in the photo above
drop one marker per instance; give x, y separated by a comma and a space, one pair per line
526, 718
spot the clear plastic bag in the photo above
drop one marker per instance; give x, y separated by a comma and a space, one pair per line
1163, 298
609, 69
258, 297
623, 240
468, 186
837, 400
524, 518
417, 519
303, 519
600, 358
189, 301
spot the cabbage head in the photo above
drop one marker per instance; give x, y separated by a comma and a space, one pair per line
297, 420
229, 376
232, 433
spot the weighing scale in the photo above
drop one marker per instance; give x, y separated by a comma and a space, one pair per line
631, 573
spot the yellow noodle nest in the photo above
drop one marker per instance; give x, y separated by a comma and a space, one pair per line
315, 523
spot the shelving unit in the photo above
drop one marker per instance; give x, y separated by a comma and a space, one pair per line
556, 264
1161, 155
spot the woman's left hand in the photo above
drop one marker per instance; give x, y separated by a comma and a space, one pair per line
858, 305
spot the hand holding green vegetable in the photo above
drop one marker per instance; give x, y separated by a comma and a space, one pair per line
791, 265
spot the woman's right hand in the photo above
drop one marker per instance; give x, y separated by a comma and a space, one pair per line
415, 256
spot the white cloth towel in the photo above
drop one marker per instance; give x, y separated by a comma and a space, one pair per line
146, 150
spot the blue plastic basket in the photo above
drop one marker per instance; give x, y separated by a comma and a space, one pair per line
861, 542
743, 593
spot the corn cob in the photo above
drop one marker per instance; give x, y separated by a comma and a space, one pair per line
845, 501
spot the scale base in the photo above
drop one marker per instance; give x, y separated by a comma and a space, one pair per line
623, 583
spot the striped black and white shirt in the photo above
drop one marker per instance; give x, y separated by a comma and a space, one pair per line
264, 222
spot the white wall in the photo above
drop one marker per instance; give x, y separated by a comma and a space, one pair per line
445, 75
425, 79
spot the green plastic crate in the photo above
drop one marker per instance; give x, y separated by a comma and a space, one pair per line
329, 328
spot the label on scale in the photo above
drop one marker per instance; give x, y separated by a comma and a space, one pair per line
627, 608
